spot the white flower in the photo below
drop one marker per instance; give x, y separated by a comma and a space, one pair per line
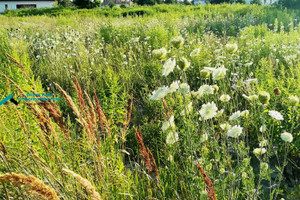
235, 131
235, 115
251, 97
159, 53
195, 53
168, 67
225, 126
206, 90
231, 47
219, 73
263, 143
184, 88
245, 113
204, 137
174, 86
276, 115
263, 128
220, 113
187, 109
168, 124
225, 98
287, 137
159, 93
208, 111
259, 151
172, 137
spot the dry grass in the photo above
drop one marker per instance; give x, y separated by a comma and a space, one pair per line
32, 185
209, 185
86, 184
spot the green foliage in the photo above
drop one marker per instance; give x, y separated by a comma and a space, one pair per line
111, 53
258, 2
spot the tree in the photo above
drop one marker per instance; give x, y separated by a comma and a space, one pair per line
169, 1
258, 2
290, 3
219, 1
186, 2
87, 3
241, 1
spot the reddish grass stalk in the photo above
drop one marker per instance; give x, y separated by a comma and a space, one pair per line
17, 63
166, 107
209, 185
79, 94
102, 118
146, 154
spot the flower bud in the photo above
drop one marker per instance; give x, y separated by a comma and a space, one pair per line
264, 97
177, 42
293, 101
204, 73
159, 53
231, 48
276, 91
216, 88
183, 63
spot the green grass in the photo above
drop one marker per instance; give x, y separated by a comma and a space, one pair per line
109, 51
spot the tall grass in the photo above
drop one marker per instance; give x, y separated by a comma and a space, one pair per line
101, 64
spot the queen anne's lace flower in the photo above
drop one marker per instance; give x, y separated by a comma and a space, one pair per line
174, 86
225, 126
206, 90
159, 93
195, 53
208, 111
168, 67
225, 98
259, 151
235, 131
276, 115
219, 73
235, 116
287, 137
184, 88
172, 137
168, 124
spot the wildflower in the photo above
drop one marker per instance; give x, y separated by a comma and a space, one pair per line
245, 113
263, 128
293, 101
168, 67
159, 93
184, 88
216, 88
264, 97
219, 73
205, 73
204, 137
222, 170
205, 90
159, 53
287, 137
276, 115
220, 113
172, 137
231, 48
183, 63
177, 42
263, 143
168, 124
208, 111
235, 131
225, 126
174, 86
225, 98
251, 97
259, 151
264, 167
195, 53
235, 115
244, 175
187, 109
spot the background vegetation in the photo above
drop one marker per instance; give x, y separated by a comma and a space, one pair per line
110, 52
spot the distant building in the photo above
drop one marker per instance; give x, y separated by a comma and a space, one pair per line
17, 4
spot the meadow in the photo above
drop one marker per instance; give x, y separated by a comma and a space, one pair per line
161, 102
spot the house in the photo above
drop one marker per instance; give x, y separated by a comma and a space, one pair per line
17, 4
